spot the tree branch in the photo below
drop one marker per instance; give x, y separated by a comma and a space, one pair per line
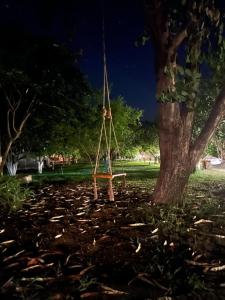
21, 126
8, 124
177, 41
215, 117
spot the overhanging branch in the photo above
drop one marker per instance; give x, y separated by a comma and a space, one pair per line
177, 41
215, 117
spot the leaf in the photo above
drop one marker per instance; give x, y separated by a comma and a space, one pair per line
180, 70
109, 291
137, 224
184, 93
188, 72
138, 248
216, 269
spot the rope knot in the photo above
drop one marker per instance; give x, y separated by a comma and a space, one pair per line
106, 113
109, 114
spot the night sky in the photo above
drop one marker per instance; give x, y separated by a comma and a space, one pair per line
78, 24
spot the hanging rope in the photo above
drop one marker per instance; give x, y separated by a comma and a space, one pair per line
107, 131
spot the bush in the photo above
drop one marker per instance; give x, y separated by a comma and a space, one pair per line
12, 193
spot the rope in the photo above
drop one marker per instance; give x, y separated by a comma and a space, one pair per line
98, 151
117, 145
106, 113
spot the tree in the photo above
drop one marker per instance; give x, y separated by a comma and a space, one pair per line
126, 120
52, 69
218, 141
148, 139
209, 90
18, 99
184, 36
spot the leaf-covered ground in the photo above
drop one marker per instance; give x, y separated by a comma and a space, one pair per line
63, 245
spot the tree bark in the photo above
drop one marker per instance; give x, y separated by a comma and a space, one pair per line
12, 167
4, 157
40, 161
13, 133
175, 128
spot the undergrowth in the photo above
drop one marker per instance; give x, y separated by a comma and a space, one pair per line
12, 193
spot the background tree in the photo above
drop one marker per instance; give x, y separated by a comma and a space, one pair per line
184, 34
19, 96
148, 139
53, 70
209, 89
126, 122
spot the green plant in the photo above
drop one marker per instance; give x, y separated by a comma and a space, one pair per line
86, 282
196, 282
12, 193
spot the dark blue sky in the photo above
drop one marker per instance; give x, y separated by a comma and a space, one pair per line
79, 24
131, 70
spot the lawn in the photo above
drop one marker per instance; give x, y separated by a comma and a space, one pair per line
63, 245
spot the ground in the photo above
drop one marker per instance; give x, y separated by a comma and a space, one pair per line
63, 245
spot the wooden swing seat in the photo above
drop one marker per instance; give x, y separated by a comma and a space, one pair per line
108, 175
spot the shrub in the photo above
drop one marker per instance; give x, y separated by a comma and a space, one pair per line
12, 193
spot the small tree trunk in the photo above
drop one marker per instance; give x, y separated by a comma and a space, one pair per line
40, 161
4, 157
12, 167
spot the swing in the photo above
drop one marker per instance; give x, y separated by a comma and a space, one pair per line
108, 130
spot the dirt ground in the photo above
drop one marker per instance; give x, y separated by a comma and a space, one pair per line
63, 245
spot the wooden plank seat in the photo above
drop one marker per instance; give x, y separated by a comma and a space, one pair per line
110, 177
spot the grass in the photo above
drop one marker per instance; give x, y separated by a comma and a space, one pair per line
208, 175
137, 172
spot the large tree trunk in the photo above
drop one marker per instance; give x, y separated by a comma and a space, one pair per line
171, 183
175, 128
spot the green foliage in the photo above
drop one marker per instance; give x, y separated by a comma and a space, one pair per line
86, 283
209, 89
12, 193
148, 139
52, 71
126, 122
131, 152
196, 282
211, 150
195, 28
